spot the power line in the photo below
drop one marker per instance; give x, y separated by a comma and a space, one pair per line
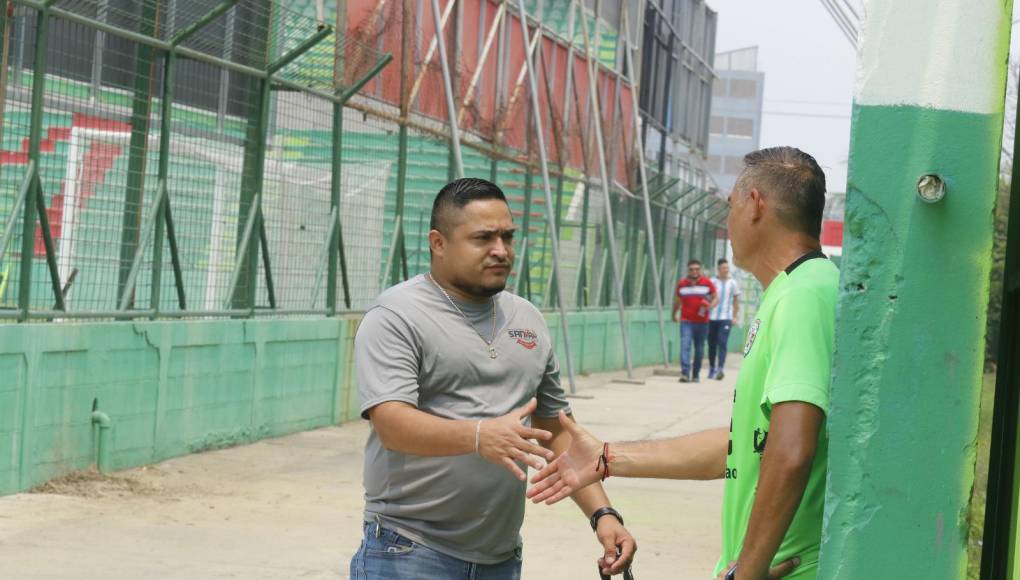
843, 21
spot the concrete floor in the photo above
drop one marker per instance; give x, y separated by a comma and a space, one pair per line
291, 507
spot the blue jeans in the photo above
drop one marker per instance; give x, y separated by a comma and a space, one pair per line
696, 333
718, 339
386, 555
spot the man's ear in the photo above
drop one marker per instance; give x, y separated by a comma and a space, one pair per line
437, 243
758, 203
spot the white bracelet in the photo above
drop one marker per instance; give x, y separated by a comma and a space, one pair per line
478, 433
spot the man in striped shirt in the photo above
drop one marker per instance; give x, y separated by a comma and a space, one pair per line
721, 318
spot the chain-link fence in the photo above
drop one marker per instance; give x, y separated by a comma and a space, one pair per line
173, 158
190, 158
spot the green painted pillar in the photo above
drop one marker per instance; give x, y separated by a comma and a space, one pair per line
914, 289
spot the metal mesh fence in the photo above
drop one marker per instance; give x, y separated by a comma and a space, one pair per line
268, 180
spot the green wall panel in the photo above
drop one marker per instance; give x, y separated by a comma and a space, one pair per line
178, 387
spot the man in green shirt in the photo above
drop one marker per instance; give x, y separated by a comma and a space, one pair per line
774, 454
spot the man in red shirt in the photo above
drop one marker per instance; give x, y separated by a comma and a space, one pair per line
694, 297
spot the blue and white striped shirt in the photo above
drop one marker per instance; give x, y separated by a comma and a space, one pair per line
727, 291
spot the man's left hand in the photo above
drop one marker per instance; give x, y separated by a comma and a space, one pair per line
775, 573
619, 546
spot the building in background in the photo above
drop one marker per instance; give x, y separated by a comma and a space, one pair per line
735, 125
734, 130
676, 79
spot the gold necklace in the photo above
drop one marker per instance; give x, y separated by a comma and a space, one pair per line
488, 342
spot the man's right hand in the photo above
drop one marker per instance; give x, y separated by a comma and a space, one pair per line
505, 441
574, 469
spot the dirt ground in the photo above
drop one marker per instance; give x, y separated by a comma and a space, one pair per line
291, 507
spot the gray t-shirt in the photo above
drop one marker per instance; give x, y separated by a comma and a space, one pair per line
413, 346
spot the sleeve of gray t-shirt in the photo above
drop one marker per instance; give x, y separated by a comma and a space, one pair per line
551, 398
386, 360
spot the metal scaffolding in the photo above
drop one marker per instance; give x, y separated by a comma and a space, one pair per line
235, 160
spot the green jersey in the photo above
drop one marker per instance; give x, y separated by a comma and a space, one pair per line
787, 357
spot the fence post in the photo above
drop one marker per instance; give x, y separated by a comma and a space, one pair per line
31, 206
243, 296
407, 34
334, 202
5, 43
166, 109
141, 108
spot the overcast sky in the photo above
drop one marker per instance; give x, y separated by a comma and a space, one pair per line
809, 71
809, 75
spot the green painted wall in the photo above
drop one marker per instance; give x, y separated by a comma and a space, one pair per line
173, 388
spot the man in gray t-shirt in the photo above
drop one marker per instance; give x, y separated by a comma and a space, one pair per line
458, 377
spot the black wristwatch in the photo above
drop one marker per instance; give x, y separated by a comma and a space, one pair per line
731, 574
605, 511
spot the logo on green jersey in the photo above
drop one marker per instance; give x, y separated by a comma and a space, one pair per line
761, 436
751, 334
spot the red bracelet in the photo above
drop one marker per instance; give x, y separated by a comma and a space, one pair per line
603, 461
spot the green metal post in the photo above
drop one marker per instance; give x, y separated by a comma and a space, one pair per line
267, 266
127, 294
141, 108
4, 67
19, 202
707, 247
582, 275
336, 160
166, 112
681, 256
343, 264
251, 272
662, 240
637, 249
693, 245
397, 252
553, 285
175, 255
51, 250
451, 51
257, 132
421, 242
399, 206
31, 207
243, 255
334, 202
624, 216
907, 369
526, 223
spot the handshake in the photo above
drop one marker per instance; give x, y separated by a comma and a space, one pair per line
506, 441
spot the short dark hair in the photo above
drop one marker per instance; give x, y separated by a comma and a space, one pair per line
457, 194
795, 182
721, 261
693, 262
